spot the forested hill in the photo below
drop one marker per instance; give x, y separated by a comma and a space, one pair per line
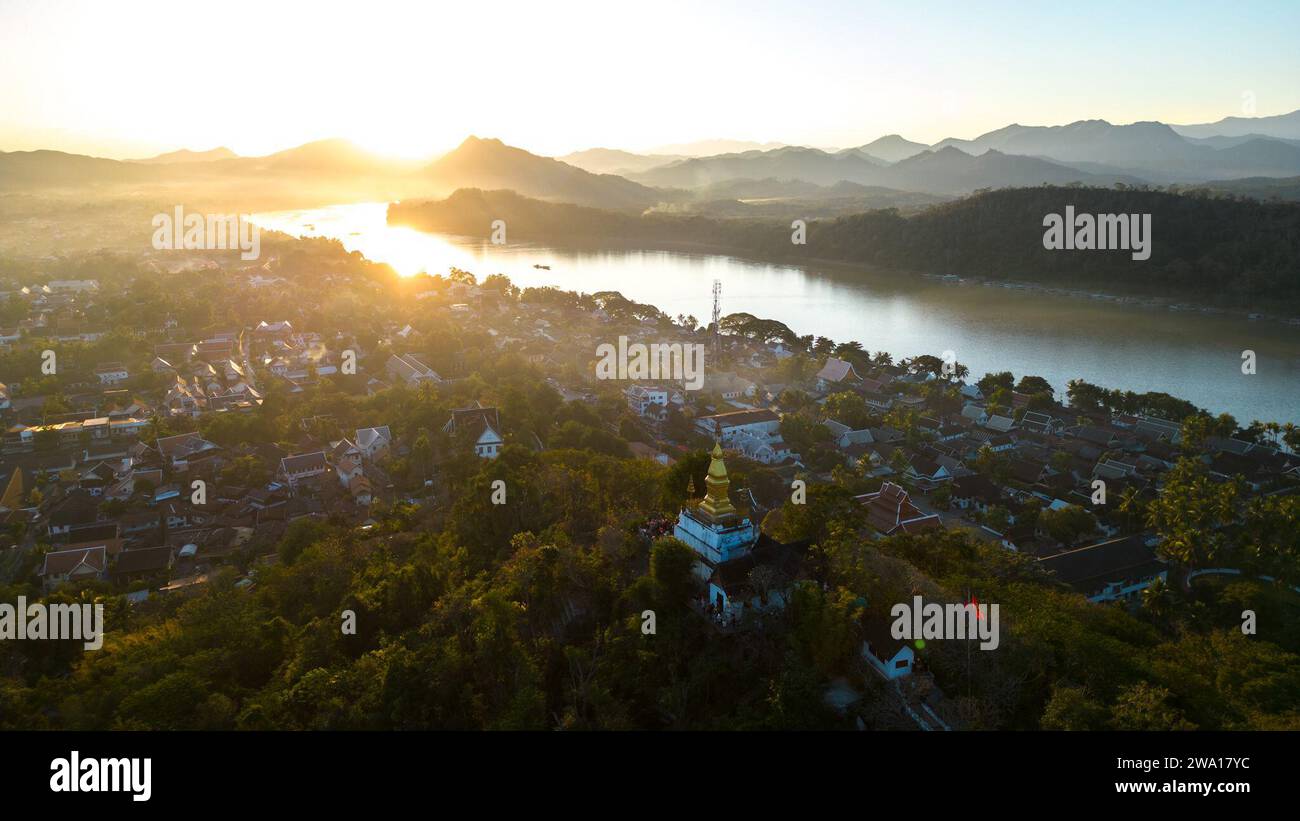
1242, 251
1228, 250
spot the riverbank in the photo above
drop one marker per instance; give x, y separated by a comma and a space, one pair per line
1194, 259
1118, 344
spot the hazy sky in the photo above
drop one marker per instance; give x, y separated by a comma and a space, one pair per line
138, 77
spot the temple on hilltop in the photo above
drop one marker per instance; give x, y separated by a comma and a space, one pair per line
741, 568
713, 527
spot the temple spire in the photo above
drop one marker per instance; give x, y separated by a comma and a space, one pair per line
717, 502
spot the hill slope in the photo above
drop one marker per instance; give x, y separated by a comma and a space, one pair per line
487, 163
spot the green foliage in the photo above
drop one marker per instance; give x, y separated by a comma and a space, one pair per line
1068, 525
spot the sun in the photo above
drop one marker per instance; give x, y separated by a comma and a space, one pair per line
398, 145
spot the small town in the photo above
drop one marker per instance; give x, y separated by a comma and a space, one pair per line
160, 439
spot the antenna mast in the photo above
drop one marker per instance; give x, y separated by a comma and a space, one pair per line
717, 313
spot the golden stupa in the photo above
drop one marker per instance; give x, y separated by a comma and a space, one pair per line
717, 502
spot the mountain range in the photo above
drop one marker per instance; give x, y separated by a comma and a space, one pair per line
889, 169
185, 155
1282, 126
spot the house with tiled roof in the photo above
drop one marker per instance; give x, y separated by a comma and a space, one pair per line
890, 657
974, 492
481, 425
1110, 570
185, 450
845, 436
1101, 437
642, 397
924, 469
408, 368
1001, 424
143, 563
111, 373
730, 386
360, 488
374, 442
77, 509
761, 422
890, 510
346, 458
1040, 423
301, 467
836, 372
1153, 427
62, 567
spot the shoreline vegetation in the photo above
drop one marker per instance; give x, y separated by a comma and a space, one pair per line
1200, 260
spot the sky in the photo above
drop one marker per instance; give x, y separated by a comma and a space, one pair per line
139, 77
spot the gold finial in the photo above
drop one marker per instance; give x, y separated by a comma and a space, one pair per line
717, 502
690, 488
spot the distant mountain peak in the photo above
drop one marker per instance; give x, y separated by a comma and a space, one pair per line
488, 163
892, 148
1280, 126
185, 155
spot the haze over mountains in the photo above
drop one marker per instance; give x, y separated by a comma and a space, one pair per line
185, 155
887, 172
487, 163
707, 148
1284, 126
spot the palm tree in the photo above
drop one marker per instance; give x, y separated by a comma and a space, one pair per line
1272, 429
1130, 506
1158, 599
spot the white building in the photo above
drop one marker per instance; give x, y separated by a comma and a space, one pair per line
112, 373
714, 528
374, 442
641, 397
888, 656
483, 425
294, 469
762, 423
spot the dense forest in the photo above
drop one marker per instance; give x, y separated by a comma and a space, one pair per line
1224, 249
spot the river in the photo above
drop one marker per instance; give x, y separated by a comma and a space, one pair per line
1189, 354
